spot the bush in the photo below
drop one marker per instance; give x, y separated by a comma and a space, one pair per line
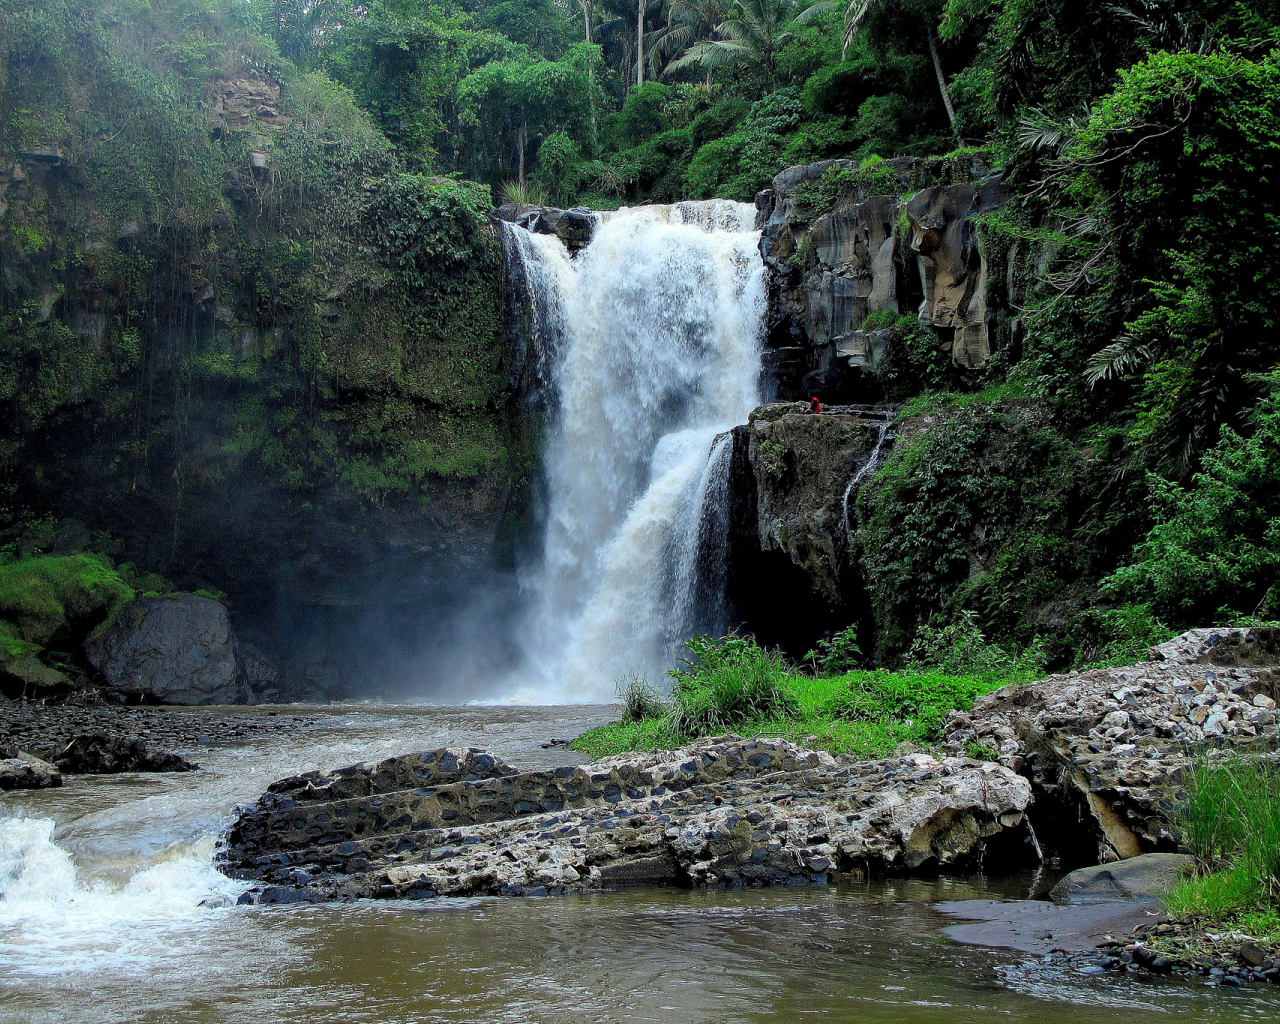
728, 682
836, 653
48, 595
1215, 547
960, 646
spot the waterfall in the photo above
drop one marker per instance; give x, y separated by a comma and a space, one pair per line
868, 467
653, 334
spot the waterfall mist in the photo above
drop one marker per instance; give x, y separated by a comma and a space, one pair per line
651, 337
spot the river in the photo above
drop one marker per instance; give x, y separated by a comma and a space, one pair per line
102, 921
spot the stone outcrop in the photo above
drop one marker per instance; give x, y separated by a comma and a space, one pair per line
19, 770
176, 650
806, 468
573, 227
829, 269
722, 812
104, 754
953, 268
1110, 747
241, 102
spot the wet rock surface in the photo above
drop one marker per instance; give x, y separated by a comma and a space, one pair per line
99, 754
45, 730
19, 770
723, 812
1108, 748
804, 465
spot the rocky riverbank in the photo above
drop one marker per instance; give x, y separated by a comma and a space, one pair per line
132, 738
1107, 749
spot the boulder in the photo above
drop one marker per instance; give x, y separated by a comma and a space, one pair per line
1109, 748
721, 812
177, 650
19, 770
101, 754
1146, 877
573, 227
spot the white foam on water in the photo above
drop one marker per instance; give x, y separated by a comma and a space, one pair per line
53, 922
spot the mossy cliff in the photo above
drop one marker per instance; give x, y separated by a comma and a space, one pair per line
233, 332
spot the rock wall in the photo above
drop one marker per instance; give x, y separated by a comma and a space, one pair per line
919, 255
804, 473
218, 362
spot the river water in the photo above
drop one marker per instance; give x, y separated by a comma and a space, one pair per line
101, 921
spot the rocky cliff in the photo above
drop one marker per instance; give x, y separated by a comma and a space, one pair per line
245, 350
841, 244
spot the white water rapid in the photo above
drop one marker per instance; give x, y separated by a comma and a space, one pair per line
653, 338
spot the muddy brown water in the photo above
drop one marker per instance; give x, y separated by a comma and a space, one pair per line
101, 922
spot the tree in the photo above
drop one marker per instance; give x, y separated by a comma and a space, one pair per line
752, 35
688, 22
505, 102
860, 14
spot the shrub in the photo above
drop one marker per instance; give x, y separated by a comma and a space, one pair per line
727, 682
836, 653
959, 646
46, 595
1215, 546
925, 698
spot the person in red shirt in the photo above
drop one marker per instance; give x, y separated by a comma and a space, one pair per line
814, 404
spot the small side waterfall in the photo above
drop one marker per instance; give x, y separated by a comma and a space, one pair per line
653, 339
865, 470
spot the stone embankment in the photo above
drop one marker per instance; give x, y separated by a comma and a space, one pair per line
1111, 746
722, 812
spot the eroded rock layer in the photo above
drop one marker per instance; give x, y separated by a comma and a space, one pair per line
1112, 746
726, 811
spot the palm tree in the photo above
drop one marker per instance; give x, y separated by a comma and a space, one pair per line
860, 13
688, 22
753, 34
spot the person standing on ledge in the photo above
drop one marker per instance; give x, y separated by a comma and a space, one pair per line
814, 404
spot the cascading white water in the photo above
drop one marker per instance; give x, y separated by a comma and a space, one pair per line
657, 327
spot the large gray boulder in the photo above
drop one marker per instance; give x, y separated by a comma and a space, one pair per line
177, 650
721, 812
1145, 877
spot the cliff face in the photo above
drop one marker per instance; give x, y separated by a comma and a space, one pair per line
240, 342
833, 260
805, 470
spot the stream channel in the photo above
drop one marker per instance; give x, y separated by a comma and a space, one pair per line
103, 923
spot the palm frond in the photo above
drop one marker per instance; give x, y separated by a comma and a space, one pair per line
1119, 359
